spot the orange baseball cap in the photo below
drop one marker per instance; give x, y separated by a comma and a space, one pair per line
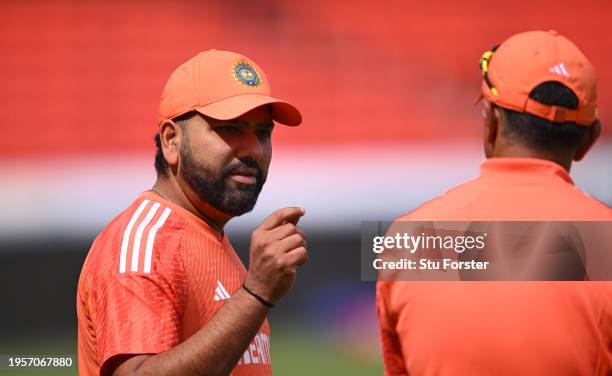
526, 60
222, 85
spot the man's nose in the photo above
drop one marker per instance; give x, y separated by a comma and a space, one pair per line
250, 145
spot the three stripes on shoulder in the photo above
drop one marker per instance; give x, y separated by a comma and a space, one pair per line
139, 235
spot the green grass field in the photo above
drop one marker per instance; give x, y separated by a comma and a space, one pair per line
292, 354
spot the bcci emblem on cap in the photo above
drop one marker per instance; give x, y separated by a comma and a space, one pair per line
244, 73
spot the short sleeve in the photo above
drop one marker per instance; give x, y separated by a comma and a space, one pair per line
138, 308
391, 348
136, 314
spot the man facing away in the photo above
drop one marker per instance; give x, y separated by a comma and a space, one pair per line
162, 291
540, 115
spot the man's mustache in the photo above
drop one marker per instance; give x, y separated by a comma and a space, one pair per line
242, 163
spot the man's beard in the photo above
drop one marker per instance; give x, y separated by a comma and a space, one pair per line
212, 186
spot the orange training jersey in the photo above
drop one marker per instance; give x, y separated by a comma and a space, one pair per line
501, 328
153, 277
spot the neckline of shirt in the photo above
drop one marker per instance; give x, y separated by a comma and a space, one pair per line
526, 168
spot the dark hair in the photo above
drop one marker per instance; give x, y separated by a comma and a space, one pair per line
541, 134
161, 165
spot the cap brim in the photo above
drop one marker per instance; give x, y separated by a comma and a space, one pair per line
236, 106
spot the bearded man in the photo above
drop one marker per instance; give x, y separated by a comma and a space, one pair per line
162, 291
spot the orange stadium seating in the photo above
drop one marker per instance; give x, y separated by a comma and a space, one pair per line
85, 77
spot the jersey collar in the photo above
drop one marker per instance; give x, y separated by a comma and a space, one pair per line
523, 169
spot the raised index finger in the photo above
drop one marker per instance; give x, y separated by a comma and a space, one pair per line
282, 216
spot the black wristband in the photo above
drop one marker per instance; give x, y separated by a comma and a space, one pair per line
261, 300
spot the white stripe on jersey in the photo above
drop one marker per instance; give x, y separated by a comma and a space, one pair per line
138, 236
151, 239
218, 294
126, 235
224, 292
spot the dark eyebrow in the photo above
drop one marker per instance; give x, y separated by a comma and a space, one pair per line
242, 123
229, 122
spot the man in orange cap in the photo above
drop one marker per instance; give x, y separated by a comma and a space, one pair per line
162, 291
540, 115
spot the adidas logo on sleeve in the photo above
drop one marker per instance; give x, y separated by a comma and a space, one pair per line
220, 292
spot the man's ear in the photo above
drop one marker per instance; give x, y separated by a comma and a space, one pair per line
492, 119
170, 134
590, 138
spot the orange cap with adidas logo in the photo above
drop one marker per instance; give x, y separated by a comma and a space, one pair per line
526, 60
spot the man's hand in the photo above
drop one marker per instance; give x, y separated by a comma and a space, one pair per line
278, 247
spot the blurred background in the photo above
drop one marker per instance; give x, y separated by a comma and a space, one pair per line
386, 90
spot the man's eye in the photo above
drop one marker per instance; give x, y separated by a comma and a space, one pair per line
265, 133
228, 129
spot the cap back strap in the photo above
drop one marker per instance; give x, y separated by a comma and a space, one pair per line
558, 114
